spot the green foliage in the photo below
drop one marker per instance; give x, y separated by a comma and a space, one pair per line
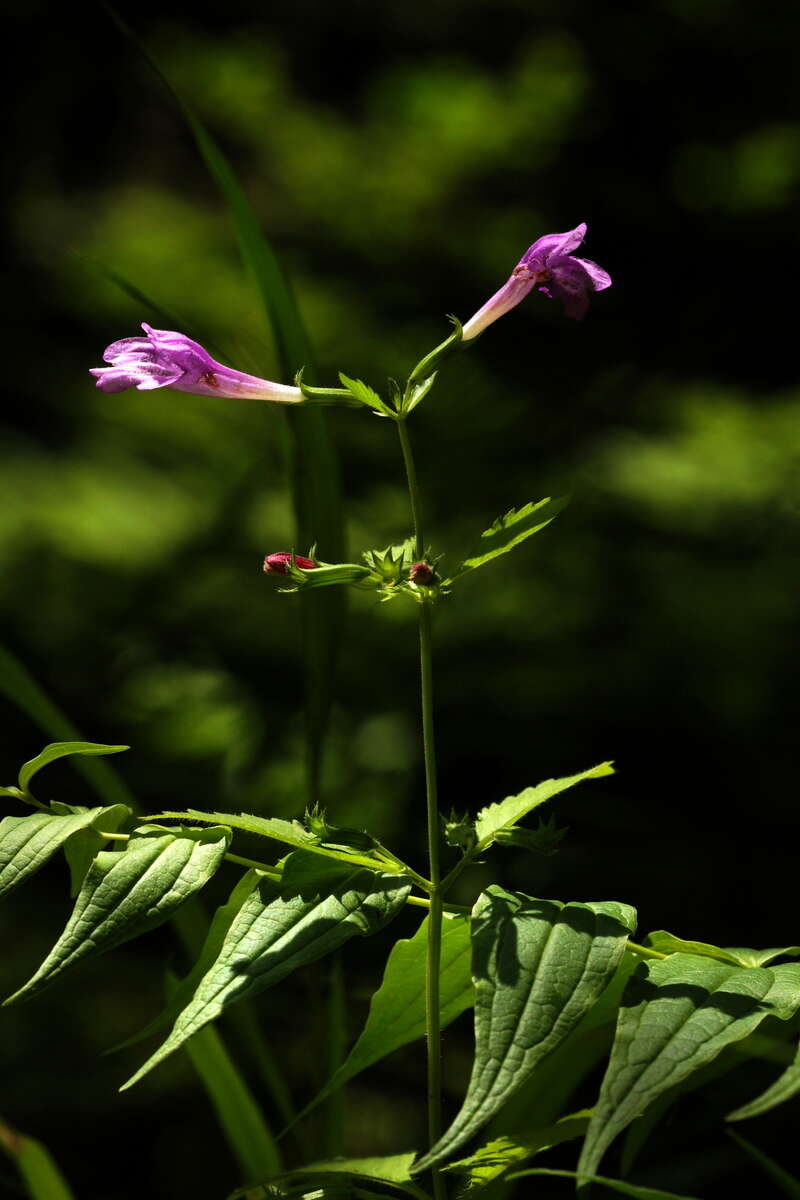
616, 1185
508, 531
538, 967
127, 893
677, 1015
508, 812
739, 956
26, 843
544, 839
341, 1179
275, 933
239, 1116
784, 1088
497, 1157
365, 395
40, 1174
397, 1009
61, 750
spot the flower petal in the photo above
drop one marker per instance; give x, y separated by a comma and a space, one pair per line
600, 278
509, 295
545, 250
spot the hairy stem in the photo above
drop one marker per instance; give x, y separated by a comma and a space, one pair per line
434, 954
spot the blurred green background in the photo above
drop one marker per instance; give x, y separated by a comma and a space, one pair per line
401, 157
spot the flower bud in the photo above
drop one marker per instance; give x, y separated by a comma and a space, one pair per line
281, 563
422, 573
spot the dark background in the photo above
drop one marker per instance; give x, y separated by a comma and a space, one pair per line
401, 158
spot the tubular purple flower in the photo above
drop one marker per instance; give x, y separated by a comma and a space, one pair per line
550, 267
167, 359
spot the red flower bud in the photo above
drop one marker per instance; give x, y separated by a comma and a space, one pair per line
280, 564
422, 573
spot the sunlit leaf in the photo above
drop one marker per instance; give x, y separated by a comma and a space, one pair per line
739, 956
507, 812
677, 1015
509, 530
61, 750
635, 1191
127, 893
397, 1010
784, 1088
275, 933
538, 967
26, 843
498, 1156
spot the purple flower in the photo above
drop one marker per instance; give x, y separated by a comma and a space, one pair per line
168, 359
550, 267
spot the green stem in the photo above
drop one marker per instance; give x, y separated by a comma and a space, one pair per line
434, 949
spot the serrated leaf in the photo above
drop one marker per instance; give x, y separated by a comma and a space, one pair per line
740, 956
511, 529
677, 1015
511, 810
784, 1088
498, 1156
26, 843
40, 1174
180, 996
364, 393
62, 750
789, 1184
636, 1191
397, 1010
274, 933
128, 893
291, 833
538, 967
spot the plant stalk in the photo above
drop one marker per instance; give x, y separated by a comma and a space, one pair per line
434, 948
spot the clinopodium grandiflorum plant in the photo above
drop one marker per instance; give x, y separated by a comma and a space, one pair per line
559, 987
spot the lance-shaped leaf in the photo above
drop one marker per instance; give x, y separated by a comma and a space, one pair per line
784, 1088
397, 1010
276, 932
38, 1169
365, 394
341, 1179
635, 1191
61, 750
26, 843
739, 956
788, 1184
131, 892
678, 1015
538, 967
497, 1157
509, 530
511, 810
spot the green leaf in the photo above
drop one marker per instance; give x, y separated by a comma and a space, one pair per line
26, 843
498, 1156
22, 690
181, 994
788, 1184
129, 893
291, 833
511, 810
274, 933
239, 1116
397, 1010
38, 1169
508, 531
617, 1185
739, 956
341, 1179
677, 1015
784, 1088
364, 393
538, 968
62, 750
82, 847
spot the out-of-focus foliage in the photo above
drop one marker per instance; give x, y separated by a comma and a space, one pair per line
401, 158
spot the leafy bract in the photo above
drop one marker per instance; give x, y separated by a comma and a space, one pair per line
364, 393
635, 1191
538, 967
397, 1010
784, 1088
275, 932
677, 1015
511, 810
498, 1156
739, 956
130, 892
511, 529
61, 750
26, 843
